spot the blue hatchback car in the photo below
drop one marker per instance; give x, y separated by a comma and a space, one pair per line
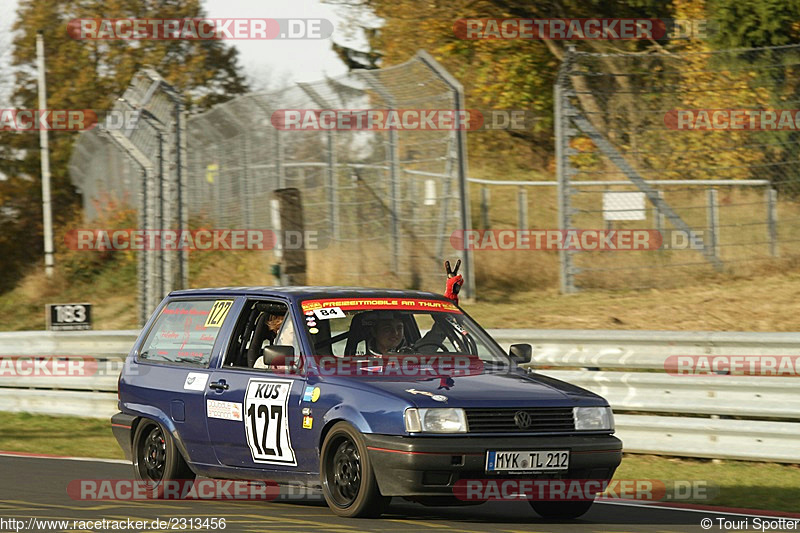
364, 394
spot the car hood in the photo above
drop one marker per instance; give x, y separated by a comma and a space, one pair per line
511, 388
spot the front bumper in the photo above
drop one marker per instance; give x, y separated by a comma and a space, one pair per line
430, 466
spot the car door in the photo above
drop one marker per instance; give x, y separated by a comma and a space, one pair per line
253, 414
173, 366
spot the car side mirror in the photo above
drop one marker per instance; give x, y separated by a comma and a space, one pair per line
521, 353
270, 353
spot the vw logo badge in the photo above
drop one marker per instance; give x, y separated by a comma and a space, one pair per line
523, 420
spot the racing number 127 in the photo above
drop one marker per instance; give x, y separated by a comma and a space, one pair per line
218, 313
268, 413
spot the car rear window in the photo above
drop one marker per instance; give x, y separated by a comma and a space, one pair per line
185, 332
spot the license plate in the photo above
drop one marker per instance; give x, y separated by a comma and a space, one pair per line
527, 461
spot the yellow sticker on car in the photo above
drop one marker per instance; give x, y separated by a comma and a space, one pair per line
218, 313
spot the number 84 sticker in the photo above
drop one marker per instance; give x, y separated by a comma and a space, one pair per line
266, 423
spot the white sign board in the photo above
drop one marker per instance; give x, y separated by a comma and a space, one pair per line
623, 206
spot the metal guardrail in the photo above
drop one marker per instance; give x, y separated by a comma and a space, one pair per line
767, 409
89, 395
657, 412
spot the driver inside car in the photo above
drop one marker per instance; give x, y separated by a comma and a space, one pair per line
387, 336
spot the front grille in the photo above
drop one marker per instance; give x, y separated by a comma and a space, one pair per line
541, 420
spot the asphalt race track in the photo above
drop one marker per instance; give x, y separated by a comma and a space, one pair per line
36, 487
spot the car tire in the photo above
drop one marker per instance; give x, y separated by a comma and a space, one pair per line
156, 459
347, 476
561, 510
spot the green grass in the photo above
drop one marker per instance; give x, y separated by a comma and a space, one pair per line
71, 436
741, 484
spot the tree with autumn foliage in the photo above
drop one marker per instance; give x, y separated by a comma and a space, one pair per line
620, 94
89, 74
498, 74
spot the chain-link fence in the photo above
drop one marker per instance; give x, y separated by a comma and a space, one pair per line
137, 157
382, 203
703, 144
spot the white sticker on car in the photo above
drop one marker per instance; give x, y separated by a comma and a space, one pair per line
195, 381
329, 312
224, 410
266, 424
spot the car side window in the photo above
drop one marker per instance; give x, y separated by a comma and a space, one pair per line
185, 331
260, 324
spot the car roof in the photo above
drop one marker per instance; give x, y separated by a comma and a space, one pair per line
308, 292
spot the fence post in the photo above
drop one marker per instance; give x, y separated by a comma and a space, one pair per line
217, 184
246, 190
183, 189
333, 199
485, 224
279, 171
660, 221
143, 273
564, 171
712, 224
772, 221
462, 172
394, 171
393, 153
522, 208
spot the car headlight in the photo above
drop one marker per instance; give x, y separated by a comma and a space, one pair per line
435, 420
593, 418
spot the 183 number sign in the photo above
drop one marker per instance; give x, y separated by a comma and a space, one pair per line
61, 317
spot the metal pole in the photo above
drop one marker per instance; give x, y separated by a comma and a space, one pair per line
394, 171
247, 190
183, 190
144, 281
772, 221
281, 177
563, 171
44, 150
470, 290
660, 221
712, 244
485, 195
659, 217
522, 208
447, 192
153, 289
333, 198
393, 156
333, 192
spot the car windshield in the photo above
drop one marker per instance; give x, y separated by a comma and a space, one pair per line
385, 326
